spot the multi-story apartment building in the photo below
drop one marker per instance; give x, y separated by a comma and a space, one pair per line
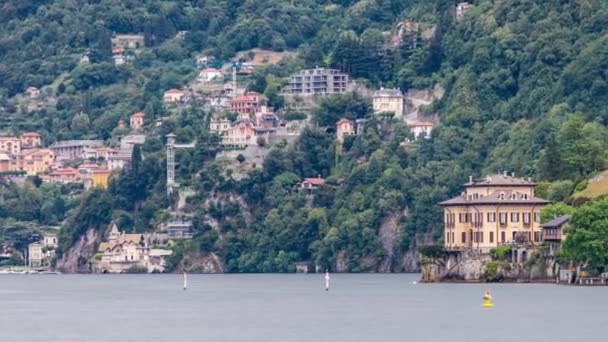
317, 81
496, 210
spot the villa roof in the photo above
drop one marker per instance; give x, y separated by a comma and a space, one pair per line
500, 180
174, 91
382, 92
557, 222
138, 115
498, 197
30, 134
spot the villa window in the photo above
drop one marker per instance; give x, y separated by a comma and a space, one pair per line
514, 217
537, 236
503, 237
463, 237
536, 217
526, 217
514, 235
491, 237
503, 219
491, 217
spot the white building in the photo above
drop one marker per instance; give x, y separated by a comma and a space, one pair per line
421, 129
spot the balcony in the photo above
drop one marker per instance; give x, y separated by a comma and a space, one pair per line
552, 236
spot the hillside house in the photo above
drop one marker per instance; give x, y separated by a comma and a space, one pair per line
63, 176
118, 161
136, 120
388, 100
32, 92
421, 129
33, 161
241, 133
210, 74
344, 127
128, 41
173, 95
461, 9
220, 126
10, 145
31, 140
246, 104
311, 184
97, 178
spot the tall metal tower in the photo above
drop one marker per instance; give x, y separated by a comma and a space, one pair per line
170, 163
171, 146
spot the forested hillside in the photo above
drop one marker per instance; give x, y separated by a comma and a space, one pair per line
525, 91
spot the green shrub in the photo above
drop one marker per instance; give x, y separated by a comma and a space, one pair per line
137, 269
491, 271
500, 252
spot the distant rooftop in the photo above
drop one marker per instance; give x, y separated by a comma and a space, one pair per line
557, 222
388, 93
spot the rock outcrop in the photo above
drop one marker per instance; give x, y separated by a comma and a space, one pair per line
78, 258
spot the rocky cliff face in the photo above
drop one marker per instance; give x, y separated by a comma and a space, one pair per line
77, 259
473, 267
201, 263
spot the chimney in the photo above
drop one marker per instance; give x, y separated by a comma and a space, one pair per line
504, 173
513, 174
470, 179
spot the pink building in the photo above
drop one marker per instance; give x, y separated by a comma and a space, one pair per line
344, 127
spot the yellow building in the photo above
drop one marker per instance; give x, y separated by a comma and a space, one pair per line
388, 100
96, 178
33, 161
492, 211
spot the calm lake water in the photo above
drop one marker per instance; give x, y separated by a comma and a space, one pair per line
256, 308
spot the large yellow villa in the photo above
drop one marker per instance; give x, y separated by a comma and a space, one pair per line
492, 211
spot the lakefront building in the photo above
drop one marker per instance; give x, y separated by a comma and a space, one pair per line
496, 210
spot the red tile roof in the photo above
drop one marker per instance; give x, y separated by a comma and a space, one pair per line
315, 181
174, 91
138, 115
343, 121
30, 134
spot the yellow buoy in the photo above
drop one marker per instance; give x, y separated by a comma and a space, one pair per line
487, 300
